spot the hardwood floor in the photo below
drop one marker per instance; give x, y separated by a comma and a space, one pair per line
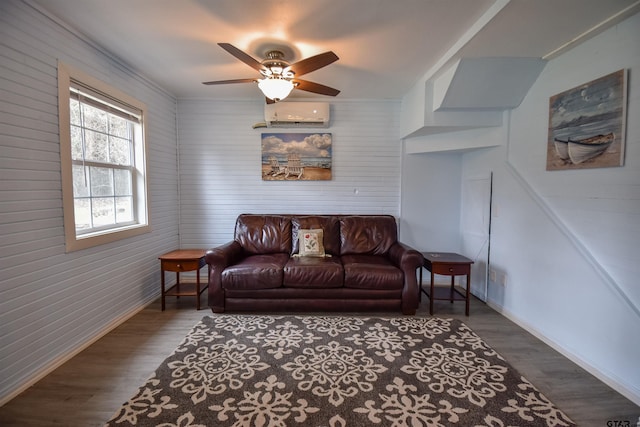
89, 389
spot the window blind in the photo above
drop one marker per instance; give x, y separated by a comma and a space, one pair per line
105, 102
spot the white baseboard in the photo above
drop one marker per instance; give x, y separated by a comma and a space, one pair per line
62, 359
609, 380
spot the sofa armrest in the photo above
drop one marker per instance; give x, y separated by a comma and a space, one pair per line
218, 259
405, 257
408, 260
224, 255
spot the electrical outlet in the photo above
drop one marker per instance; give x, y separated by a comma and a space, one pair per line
492, 275
503, 279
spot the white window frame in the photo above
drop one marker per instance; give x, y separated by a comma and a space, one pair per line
68, 76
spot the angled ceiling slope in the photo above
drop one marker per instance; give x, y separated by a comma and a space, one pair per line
486, 83
474, 92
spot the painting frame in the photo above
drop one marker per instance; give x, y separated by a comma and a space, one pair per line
295, 156
587, 124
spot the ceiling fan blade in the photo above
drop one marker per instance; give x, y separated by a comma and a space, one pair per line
247, 59
313, 63
315, 87
224, 82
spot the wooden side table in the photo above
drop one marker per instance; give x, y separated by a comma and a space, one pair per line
447, 264
179, 261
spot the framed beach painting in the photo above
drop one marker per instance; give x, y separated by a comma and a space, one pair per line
587, 124
296, 156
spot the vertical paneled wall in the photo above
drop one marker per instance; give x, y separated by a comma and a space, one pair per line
220, 166
52, 302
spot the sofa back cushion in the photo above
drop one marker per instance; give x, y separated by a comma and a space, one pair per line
330, 229
367, 234
263, 234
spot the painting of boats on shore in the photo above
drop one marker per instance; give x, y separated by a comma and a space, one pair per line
587, 124
296, 156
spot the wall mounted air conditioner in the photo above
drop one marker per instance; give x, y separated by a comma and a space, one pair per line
297, 115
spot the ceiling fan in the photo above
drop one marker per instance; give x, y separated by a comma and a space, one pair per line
279, 77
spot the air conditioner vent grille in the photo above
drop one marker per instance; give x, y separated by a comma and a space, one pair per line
285, 124
297, 115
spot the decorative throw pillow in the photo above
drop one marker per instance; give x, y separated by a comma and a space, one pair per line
310, 242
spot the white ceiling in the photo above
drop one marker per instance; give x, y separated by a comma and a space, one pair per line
385, 46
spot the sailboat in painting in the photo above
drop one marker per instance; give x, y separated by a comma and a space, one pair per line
584, 149
562, 148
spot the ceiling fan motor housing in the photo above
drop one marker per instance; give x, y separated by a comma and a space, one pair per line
275, 65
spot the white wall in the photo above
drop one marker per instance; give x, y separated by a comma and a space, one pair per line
568, 240
430, 219
53, 303
220, 166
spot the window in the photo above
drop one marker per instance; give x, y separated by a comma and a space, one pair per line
103, 154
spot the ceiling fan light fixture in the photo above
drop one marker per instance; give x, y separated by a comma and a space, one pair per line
275, 88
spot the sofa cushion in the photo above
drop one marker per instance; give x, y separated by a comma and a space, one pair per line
313, 272
372, 235
256, 272
330, 228
310, 242
263, 234
371, 272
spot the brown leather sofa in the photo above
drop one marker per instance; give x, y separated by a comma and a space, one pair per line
364, 266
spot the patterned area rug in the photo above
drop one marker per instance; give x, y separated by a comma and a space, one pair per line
272, 371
